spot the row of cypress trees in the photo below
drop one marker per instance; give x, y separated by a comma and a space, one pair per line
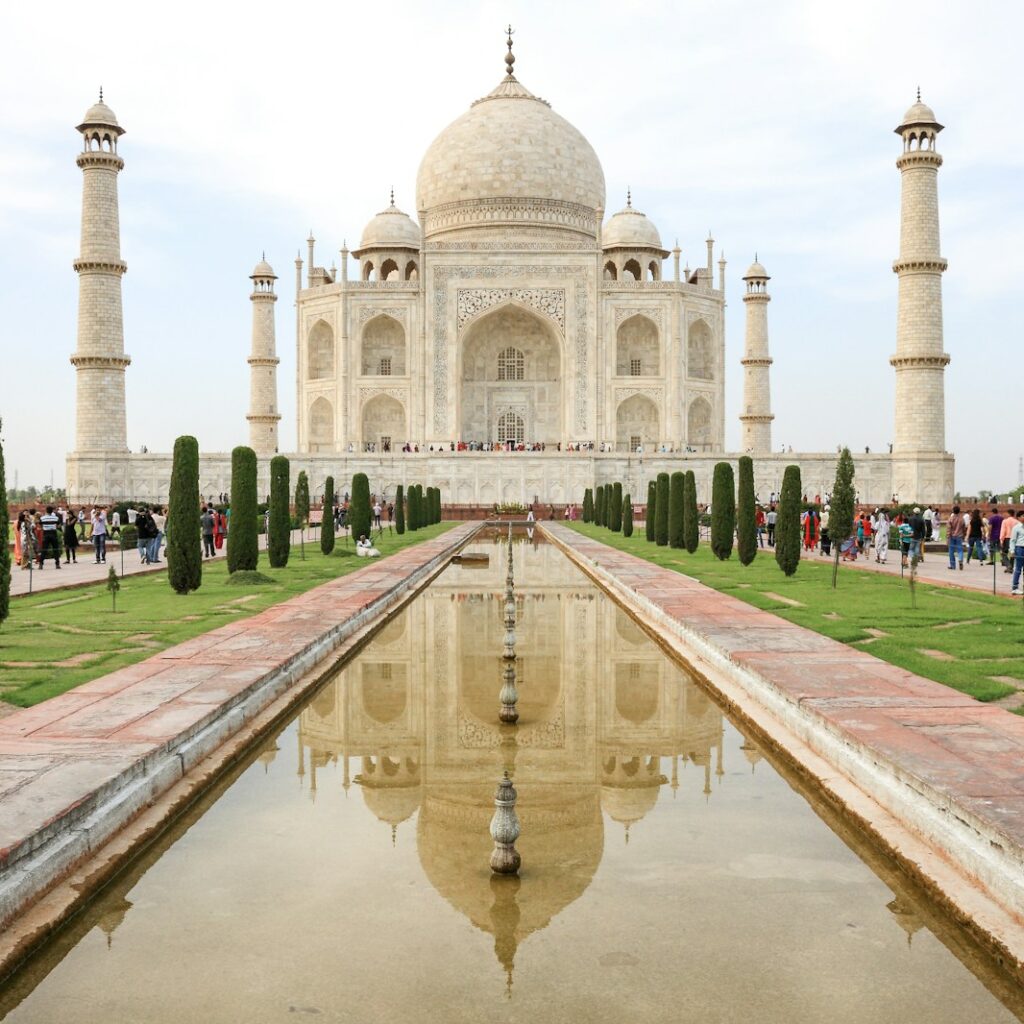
418, 508
611, 508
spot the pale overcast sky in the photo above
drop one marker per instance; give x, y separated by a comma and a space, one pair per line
771, 124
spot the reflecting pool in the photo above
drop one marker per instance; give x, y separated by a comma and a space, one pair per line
670, 872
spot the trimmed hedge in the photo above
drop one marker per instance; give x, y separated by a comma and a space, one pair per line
652, 510
663, 488
184, 539
841, 508
675, 509
243, 535
302, 499
787, 522
360, 514
691, 519
615, 516
599, 516
746, 513
723, 510
327, 518
279, 541
627, 517
588, 505
400, 510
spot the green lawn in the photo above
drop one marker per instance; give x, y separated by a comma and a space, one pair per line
58, 639
973, 638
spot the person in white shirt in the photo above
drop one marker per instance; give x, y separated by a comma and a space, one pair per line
365, 549
115, 523
131, 513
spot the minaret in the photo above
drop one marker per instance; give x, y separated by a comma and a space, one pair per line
99, 358
756, 418
263, 415
920, 361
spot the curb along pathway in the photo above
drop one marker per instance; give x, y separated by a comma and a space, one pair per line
946, 767
78, 767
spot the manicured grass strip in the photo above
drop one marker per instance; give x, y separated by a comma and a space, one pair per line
57, 640
961, 638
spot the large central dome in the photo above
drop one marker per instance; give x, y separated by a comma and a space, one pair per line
510, 161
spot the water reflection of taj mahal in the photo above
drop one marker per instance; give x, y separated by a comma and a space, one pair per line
606, 722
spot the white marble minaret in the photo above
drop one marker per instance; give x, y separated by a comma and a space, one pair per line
263, 415
99, 358
756, 418
919, 440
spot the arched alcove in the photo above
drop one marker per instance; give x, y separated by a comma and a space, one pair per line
320, 351
321, 426
384, 423
383, 348
637, 348
631, 269
699, 432
637, 423
700, 352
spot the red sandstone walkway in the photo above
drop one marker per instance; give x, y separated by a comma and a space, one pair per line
63, 758
967, 757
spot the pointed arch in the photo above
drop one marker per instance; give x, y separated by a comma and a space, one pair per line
637, 424
384, 423
637, 347
412, 271
610, 272
699, 427
631, 268
321, 425
700, 351
320, 351
382, 348
388, 268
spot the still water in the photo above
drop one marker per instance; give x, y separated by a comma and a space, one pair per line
670, 872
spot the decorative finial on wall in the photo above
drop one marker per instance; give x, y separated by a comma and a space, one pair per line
510, 57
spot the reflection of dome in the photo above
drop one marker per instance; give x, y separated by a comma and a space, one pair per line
510, 145
630, 229
390, 229
391, 804
628, 804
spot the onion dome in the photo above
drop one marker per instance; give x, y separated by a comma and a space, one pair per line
99, 115
263, 269
390, 229
918, 115
756, 272
630, 229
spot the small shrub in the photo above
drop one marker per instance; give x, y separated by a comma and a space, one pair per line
279, 541
615, 509
400, 510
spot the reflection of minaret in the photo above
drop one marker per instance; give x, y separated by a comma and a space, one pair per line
505, 916
267, 754
112, 918
906, 917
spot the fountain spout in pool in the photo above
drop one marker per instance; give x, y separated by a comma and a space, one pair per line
505, 859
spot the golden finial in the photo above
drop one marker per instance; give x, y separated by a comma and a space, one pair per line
510, 57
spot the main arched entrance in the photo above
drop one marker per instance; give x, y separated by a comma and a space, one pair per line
511, 379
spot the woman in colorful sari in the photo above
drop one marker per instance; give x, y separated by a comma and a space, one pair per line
219, 529
811, 529
18, 553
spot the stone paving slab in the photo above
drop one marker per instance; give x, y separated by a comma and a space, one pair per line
950, 768
60, 760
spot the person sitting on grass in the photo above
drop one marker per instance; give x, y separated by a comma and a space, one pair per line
365, 548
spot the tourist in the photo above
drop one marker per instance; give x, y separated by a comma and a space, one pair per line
811, 521
364, 549
1005, 530
376, 514
19, 550
995, 529
1017, 547
159, 525
759, 521
220, 529
208, 523
858, 524
115, 523
50, 523
144, 533
917, 536
770, 520
131, 513
530, 517
99, 534
929, 522
906, 534
391, 513
881, 534
70, 540
955, 538
975, 537
81, 523
826, 537
28, 541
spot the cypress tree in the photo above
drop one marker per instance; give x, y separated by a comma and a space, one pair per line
420, 523
327, 518
302, 499
588, 505
615, 509
5, 551
841, 508
414, 507
437, 505
787, 523
691, 518
400, 510
652, 510
599, 507
746, 513
675, 510
662, 489
359, 512
279, 539
723, 510
627, 517
428, 506
184, 540
243, 536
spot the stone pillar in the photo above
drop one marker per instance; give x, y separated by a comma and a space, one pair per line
920, 361
99, 358
263, 415
756, 418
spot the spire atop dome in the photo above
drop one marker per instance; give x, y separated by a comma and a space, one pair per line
629, 198
392, 197
510, 57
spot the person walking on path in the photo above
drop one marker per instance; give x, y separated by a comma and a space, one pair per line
99, 534
881, 533
81, 523
115, 524
159, 525
770, 520
1005, 529
70, 540
1017, 547
976, 538
50, 523
759, 521
995, 529
208, 521
955, 527
917, 528
144, 533
19, 551
376, 514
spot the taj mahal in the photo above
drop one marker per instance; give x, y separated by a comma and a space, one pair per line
513, 342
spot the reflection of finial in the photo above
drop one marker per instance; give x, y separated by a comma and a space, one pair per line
394, 833
510, 57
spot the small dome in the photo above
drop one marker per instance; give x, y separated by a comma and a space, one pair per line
756, 270
630, 229
919, 113
390, 229
100, 114
263, 269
